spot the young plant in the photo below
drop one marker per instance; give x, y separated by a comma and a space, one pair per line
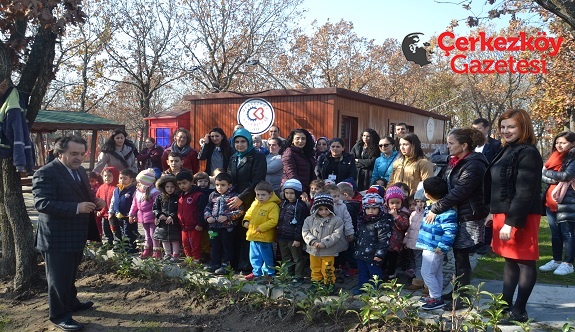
335, 307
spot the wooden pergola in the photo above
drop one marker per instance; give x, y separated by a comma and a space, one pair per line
49, 121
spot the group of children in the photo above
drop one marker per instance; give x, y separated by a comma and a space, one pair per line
335, 227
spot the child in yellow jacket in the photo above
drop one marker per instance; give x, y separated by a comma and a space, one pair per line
261, 220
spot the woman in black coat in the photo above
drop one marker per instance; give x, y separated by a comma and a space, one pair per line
336, 165
464, 176
216, 150
365, 152
247, 167
514, 197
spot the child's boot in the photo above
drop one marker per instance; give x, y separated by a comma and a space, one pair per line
146, 253
415, 284
157, 253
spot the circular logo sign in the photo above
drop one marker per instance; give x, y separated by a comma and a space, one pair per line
256, 115
430, 129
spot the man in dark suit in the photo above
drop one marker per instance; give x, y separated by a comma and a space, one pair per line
490, 149
66, 205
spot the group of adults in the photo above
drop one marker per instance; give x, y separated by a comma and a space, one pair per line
490, 183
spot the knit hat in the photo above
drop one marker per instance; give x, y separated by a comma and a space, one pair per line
394, 192
322, 200
147, 177
380, 190
293, 184
372, 199
419, 195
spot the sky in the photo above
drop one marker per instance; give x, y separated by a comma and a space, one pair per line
381, 19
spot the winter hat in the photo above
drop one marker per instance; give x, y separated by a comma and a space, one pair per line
147, 177
293, 184
419, 195
322, 200
380, 190
161, 183
394, 192
372, 199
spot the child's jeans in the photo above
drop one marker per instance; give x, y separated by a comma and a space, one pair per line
108, 235
262, 258
192, 241
294, 254
432, 272
222, 245
322, 269
366, 271
149, 229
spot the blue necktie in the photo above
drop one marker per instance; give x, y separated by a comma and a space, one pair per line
76, 176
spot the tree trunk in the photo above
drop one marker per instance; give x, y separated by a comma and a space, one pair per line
8, 261
20, 227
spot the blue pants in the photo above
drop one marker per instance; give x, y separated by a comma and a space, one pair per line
366, 271
562, 238
262, 258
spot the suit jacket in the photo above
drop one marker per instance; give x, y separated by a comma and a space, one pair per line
56, 197
491, 149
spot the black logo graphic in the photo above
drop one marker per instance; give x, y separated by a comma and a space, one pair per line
413, 51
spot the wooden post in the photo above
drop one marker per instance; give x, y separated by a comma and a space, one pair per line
93, 149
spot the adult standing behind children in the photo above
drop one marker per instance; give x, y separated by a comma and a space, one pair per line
365, 152
515, 202
181, 145
464, 176
384, 163
274, 164
66, 205
336, 165
215, 150
247, 168
411, 167
118, 151
298, 158
150, 156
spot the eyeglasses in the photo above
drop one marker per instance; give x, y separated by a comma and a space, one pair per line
384, 145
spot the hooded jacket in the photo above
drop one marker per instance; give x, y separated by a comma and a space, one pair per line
328, 230
191, 207
15, 139
218, 206
465, 182
565, 209
166, 205
265, 217
438, 234
106, 190
373, 234
292, 216
141, 208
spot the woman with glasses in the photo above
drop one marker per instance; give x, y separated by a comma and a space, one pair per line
150, 156
336, 165
216, 150
365, 152
384, 163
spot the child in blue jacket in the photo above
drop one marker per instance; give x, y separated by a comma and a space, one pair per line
436, 239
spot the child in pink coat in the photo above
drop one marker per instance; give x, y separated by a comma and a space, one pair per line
142, 210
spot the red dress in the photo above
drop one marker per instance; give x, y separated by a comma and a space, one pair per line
524, 242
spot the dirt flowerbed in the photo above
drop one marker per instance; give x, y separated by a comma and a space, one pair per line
130, 304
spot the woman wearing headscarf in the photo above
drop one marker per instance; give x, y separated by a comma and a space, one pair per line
365, 152
118, 152
247, 167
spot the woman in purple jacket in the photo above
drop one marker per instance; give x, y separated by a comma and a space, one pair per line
298, 158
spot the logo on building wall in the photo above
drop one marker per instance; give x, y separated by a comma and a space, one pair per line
256, 115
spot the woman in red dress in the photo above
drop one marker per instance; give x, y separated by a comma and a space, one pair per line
515, 202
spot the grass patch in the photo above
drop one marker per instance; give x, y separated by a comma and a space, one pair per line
490, 266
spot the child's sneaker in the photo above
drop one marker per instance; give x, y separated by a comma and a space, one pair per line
157, 254
175, 258
222, 270
167, 257
433, 304
424, 299
251, 277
